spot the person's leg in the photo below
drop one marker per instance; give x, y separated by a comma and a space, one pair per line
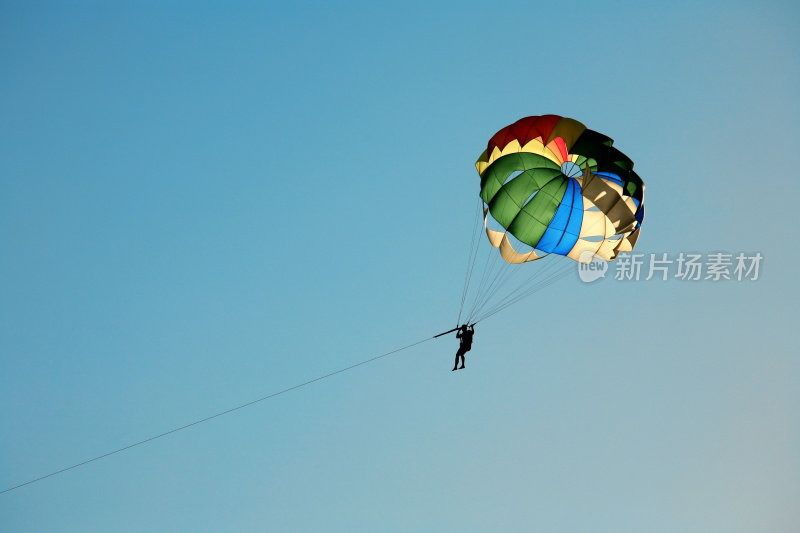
459, 354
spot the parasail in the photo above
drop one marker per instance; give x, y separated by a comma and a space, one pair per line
555, 187
549, 187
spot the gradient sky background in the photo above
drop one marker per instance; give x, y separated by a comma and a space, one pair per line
201, 204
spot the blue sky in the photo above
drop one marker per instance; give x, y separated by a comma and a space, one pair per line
201, 204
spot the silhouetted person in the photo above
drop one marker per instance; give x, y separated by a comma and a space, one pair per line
465, 334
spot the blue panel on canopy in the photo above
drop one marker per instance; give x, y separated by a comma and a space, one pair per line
610, 176
640, 215
562, 232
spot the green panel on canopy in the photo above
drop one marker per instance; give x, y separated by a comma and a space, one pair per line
530, 224
526, 203
498, 172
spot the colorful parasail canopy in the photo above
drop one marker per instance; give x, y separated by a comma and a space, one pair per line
559, 188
